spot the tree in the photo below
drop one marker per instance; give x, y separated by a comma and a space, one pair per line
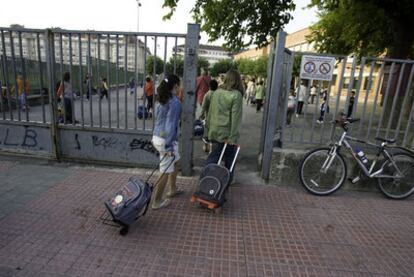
159, 64
179, 66
240, 22
260, 66
222, 66
202, 64
368, 28
246, 66
365, 27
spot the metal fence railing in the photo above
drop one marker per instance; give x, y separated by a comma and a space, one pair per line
122, 59
378, 91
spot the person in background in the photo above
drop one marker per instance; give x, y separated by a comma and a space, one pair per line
132, 86
104, 88
259, 96
323, 108
204, 112
165, 139
149, 94
65, 91
250, 91
224, 119
23, 88
301, 95
203, 82
312, 94
290, 108
351, 104
88, 88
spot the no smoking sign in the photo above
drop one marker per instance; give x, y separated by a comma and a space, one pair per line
317, 68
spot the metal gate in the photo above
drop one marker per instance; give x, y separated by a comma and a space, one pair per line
105, 127
383, 94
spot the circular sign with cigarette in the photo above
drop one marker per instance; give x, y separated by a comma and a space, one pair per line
325, 68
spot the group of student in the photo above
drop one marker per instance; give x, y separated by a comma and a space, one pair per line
296, 102
220, 106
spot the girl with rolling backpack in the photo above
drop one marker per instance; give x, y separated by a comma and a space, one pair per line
133, 200
224, 118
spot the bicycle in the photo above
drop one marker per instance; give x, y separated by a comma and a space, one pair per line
323, 170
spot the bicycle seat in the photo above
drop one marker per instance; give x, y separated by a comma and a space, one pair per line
386, 140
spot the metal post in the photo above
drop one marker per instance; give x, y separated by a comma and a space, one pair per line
126, 81
108, 73
144, 81
135, 101
117, 81
81, 78
24, 76
273, 101
368, 88
50, 67
189, 83
266, 106
99, 81
16, 89
6, 76
39, 56
154, 72
387, 92
89, 88
72, 100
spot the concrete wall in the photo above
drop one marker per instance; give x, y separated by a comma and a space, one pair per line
25, 139
104, 146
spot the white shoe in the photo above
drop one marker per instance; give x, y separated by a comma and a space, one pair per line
297, 115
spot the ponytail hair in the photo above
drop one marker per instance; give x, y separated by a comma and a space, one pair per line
164, 90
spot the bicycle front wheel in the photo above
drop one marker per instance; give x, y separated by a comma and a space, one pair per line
401, 186
322, 173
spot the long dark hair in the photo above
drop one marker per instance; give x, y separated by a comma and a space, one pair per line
164, 90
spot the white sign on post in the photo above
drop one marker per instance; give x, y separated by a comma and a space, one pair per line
317, 68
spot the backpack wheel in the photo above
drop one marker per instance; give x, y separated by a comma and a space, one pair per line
124, 230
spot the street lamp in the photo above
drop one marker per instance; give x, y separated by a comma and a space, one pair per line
138, 5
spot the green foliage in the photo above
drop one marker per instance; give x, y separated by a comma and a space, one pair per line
246, 67
260, 66
296, 65
240, 22
159, 64
179, 66
221, 67
257, 68
202, 64
364, 27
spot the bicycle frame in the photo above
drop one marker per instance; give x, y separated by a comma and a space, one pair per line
368, 172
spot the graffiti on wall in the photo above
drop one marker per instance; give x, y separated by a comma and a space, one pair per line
28, 139
111, 142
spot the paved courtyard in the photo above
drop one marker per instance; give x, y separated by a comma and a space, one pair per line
50, 226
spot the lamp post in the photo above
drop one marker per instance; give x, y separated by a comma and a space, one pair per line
138, 5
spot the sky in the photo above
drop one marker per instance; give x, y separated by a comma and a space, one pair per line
120, 15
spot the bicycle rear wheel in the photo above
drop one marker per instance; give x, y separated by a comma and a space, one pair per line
398, 188
317, 177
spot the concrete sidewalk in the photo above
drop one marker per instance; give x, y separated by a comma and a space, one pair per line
49, 226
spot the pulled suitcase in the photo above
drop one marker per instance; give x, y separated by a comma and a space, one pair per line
130, 202
142, 112
198, 128
214, 181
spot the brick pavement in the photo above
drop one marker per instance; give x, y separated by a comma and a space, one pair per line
262, 231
